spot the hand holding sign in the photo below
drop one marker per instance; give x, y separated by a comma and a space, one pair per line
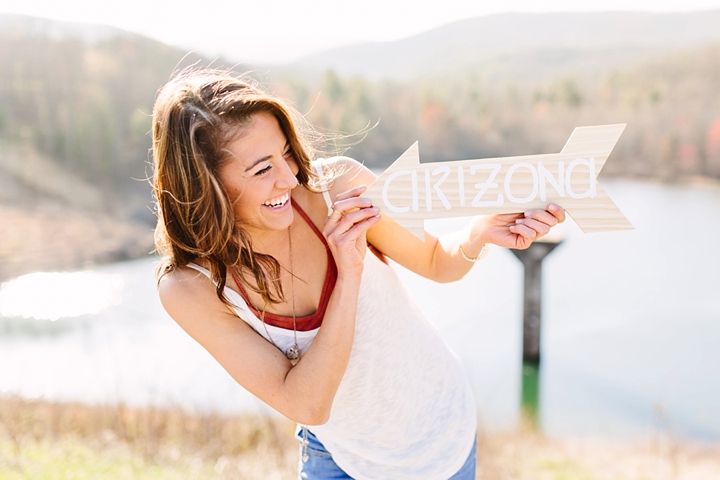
410, 192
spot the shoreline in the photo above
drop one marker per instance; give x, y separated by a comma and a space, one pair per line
54, 238
51, 237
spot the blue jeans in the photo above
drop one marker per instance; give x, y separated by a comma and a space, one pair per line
321, 466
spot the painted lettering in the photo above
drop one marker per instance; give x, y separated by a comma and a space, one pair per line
545, 175
508, 178
428, 191
461, 185
592, 186
484, 187
445, 171
543, 182
386, 187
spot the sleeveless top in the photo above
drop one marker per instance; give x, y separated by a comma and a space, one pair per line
403, 409
308, 322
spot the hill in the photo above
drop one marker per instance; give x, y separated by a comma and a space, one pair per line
81, 97
670, 104
75, 105
75, 115
27, 26
524, 43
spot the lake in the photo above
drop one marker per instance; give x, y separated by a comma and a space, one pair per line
630, 334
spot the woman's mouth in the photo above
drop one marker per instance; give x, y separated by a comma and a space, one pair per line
278, 202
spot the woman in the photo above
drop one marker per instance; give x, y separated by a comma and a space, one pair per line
268, 268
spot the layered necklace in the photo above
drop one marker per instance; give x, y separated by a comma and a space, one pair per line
293, 352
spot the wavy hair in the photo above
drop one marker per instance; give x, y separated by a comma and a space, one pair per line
195, 115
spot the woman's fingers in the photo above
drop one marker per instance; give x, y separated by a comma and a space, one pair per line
360, 227
557, 211
346, 235
339, 224
359, 215
345, 205
341, 208
524, 231
534, 224
352, 193
350, 204
540, 221
537, 227
335, 216
542, 216
518, 230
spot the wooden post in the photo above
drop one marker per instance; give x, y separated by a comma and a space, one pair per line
531, 259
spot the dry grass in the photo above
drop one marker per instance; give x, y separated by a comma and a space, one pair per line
40, 439
529, 455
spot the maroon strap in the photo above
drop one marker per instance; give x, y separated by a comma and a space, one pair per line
314, 320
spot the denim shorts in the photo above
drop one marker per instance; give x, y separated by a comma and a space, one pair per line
321, 466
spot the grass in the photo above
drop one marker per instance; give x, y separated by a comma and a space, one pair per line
50, 440
72, 458
529, 455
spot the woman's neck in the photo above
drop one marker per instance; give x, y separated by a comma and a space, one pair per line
270, 242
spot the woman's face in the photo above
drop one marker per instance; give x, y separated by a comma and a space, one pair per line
258, 175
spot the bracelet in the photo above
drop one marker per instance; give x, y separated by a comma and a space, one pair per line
480, 256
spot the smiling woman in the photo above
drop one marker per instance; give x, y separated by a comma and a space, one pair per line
288, 299
259, 174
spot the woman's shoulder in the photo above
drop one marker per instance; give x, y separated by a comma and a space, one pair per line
345, 173
189, 296
338, 174
182, 285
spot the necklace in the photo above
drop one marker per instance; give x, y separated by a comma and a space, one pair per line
293, 352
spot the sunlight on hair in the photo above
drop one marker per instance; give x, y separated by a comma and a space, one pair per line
50, 296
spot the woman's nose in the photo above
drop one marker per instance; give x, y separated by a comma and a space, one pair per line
287, 178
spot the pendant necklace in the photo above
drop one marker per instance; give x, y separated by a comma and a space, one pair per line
293, 352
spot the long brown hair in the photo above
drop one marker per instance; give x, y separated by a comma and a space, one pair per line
194, 117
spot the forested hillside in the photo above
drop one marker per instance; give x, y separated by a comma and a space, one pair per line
75, 108
75, 115
75, 111
85, 106
671, 105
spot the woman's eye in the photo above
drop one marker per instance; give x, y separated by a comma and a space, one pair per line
263, 171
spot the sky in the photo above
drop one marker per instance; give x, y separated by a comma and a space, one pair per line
277, 31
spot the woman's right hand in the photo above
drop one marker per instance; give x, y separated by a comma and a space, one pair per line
346, 229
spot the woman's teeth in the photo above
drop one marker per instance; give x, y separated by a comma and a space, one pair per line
277, 201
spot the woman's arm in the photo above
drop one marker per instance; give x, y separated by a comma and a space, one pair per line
440, 259
303, 393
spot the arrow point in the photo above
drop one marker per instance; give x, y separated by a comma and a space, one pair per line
597, 141
602, 216
410, 157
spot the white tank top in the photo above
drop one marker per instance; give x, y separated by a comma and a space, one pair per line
404, 409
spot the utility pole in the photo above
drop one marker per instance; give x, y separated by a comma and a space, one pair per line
532, 259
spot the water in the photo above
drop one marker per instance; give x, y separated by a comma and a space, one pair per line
630, 329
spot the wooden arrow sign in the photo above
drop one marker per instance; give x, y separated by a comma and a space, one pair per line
410, 192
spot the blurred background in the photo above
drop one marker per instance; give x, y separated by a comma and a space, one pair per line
95, 378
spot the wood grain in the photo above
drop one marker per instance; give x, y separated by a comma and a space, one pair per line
410, 192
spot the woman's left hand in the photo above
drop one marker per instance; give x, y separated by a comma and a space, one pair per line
517, 230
